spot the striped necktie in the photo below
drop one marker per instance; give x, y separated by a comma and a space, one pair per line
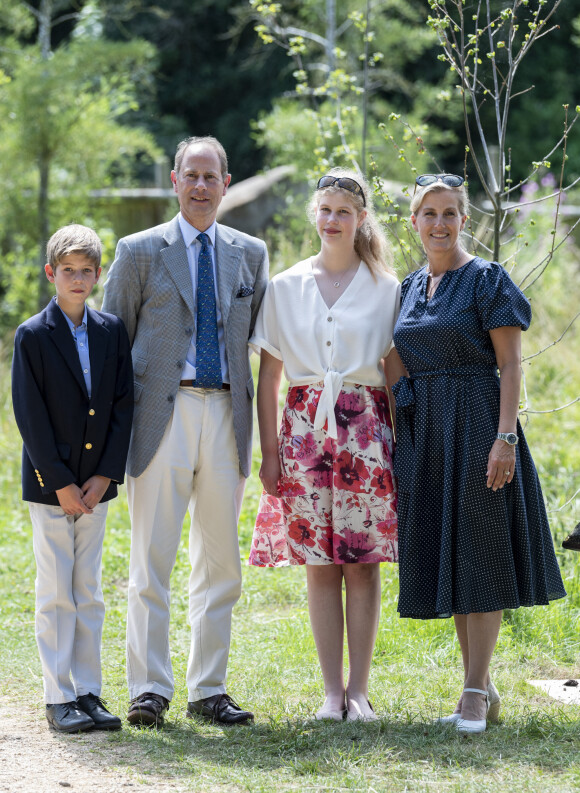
207, 351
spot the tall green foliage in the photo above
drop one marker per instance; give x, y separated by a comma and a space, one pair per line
61, 135
212, 75
352, 68
483, 49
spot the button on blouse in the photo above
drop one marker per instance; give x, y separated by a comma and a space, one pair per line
345, 345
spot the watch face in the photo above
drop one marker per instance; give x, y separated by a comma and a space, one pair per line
512, 438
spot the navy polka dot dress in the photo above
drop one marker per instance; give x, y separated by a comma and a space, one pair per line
462, 547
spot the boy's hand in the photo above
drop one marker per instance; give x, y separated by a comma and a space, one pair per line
71, 500
94, 489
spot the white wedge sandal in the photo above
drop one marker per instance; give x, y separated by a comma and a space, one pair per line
473, 726
492, 711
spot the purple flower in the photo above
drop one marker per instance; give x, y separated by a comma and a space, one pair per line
549, 180
528, 191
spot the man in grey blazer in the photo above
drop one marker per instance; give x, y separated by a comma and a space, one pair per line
188, 304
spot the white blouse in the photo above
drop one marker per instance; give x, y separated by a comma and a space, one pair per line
342, 344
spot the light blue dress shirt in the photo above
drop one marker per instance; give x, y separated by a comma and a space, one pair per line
81, 337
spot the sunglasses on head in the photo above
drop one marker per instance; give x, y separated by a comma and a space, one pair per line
344, 182
450, 179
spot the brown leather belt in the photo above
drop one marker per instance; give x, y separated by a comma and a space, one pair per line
193, 384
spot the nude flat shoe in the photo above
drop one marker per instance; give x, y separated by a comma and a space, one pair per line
354, 713
330, 714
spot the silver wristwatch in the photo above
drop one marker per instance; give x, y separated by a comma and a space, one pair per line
508, 437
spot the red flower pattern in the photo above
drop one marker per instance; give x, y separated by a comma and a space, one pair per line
382, 481
290, 487
338, 496
301, 532
295, 398
352, 472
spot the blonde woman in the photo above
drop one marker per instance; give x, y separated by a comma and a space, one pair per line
474, 536
330, 499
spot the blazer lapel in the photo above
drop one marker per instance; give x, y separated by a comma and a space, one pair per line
228, 261
63, 340
174, 256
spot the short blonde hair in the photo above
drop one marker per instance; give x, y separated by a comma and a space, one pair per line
438, 187
74, 239
370, 241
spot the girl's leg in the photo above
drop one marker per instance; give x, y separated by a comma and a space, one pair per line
324, 583
363, 606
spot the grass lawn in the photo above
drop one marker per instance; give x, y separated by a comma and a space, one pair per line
273, 669
416, 674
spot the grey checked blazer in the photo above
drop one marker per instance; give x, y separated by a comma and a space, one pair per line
149, 287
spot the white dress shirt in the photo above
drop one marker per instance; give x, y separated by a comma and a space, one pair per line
193, 247
342, 344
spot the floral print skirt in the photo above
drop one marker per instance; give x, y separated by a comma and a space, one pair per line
338, 500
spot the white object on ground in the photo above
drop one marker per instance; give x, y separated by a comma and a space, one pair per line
557, 689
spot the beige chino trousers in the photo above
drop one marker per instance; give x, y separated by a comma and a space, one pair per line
196, 468
70, 609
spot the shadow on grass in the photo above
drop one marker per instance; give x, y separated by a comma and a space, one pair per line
305, 748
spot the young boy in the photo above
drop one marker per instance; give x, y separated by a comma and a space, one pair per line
72, 390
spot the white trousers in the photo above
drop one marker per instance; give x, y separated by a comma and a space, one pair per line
196, 467
69, 600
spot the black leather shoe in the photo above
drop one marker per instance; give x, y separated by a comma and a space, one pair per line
147, 709
572, 541
67, 717
221, 709
94, 707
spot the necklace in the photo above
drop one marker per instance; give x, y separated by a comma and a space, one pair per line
433, 280
433, 283
337, 284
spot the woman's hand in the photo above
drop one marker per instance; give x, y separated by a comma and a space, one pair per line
507, 345
500, 464
270, 473
268, 389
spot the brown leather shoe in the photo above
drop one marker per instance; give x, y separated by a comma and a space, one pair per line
220, 709
147, 709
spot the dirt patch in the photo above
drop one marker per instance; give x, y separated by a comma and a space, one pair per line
34, 759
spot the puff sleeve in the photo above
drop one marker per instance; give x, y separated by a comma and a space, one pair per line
266, 332
499, 301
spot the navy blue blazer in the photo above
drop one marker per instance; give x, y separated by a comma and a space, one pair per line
67, 436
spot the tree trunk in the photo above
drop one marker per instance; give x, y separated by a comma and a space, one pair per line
44, 17
330, 33
43, 226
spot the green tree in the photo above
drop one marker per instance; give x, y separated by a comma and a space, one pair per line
484, 49
212, 76
351, 71
61, 134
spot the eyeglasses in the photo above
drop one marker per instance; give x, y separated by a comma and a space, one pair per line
344, 182
450, 179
